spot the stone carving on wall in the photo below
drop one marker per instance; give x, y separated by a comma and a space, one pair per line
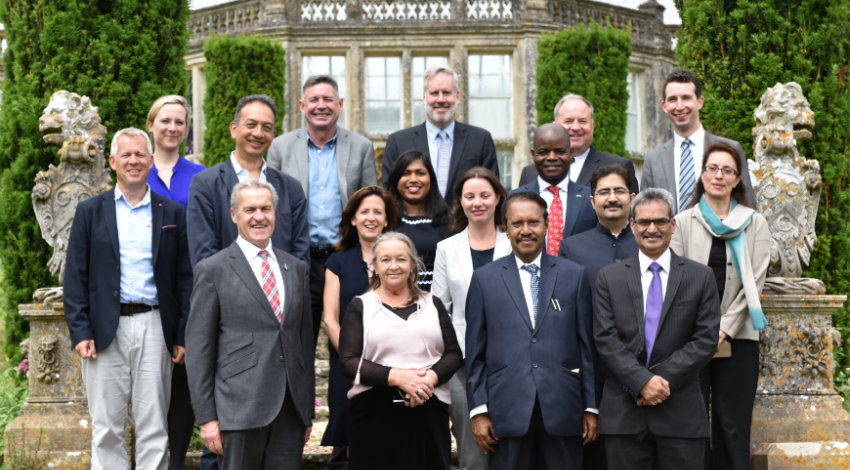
71, 122
787, 187
46, 365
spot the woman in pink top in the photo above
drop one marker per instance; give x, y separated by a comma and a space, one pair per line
398, 344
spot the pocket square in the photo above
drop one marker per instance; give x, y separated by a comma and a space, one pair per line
575, 370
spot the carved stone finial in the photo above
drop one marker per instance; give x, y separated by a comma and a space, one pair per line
787, 186
69, 120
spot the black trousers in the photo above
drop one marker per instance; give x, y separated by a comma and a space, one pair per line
317, 287
276, 446
537, 449
181, 419
646, 451
731, 385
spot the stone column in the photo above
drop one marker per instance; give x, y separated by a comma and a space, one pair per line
798, 421
53, 430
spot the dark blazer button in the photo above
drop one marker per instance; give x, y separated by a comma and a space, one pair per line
281, 359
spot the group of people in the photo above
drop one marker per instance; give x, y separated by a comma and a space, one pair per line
574, 322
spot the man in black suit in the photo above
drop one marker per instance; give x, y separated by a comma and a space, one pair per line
127, 287
609, 242
453, 146
575, 113
568, 203
656, 324
208, 212
528, 363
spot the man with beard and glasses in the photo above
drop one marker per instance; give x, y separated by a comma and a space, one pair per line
609, 242
452, 146
529, 367
568, 202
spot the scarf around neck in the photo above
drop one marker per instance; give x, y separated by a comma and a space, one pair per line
732, 230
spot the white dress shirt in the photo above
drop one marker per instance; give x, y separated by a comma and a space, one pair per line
646, 273
697, 148
242, 174
549, 197
525, 280
577, 165
251, 252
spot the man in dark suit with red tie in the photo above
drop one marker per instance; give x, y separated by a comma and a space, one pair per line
656, 324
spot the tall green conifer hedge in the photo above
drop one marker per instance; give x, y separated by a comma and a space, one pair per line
740, 48
122, 54
593, 62
236, 67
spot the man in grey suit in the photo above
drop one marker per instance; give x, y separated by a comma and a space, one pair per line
311, 155
453, 146
656, 324
575, 114
248, 343
677, 164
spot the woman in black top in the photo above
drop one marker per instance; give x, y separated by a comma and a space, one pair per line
423, 214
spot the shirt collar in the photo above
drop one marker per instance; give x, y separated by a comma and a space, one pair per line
697, 136
238, 168
663, 260
251, 250
520, 263
562, 185
146, 199
433, 130
330, 143
582, 155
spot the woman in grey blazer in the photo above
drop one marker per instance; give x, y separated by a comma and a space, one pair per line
477, 217
720, 231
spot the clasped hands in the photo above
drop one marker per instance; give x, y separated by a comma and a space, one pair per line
654, 392
417, 384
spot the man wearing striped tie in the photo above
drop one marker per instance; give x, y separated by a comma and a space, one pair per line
677, 164
249, 342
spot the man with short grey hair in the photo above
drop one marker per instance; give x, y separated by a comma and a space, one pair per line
453, 146
575, 114
127, 287
249, 349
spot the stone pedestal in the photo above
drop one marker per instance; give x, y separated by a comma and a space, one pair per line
798, 421
53, 430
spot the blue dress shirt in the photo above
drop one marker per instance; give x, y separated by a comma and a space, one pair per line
135, 240
324, 208
181, 175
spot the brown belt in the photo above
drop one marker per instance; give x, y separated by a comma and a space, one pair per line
132, 309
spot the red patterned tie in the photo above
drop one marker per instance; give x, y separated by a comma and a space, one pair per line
556, 223
270, 286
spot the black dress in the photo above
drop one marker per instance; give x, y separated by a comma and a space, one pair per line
386, 434
349, 266
425, 236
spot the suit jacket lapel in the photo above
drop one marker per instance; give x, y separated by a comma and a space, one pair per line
420, 141
156, 225
510, 275
590, 164
243, 270
289, 293
111, 220
343, 150
228, 177
674, 278
548, 279
574, 202
635, 287
463, 255
302, 160
458, 142
668, 170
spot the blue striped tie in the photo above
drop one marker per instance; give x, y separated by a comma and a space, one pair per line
687, 179
444, 157
535, 287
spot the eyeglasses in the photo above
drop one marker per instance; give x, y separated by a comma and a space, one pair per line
618, 191
645, 223
727, 170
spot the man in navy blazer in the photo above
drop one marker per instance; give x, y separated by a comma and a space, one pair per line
208, 212
468, 146
528, 354
127, 287
552, 156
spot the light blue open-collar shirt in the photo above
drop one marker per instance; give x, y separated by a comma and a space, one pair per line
324, 208
135, 249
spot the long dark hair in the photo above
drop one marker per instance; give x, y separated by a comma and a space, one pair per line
435, 206
458, 220
347, 233
738, 193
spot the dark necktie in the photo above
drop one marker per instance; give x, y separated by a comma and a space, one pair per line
654, 303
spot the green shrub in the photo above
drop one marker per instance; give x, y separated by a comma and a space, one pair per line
123, 55
740, 49
13, 394
236, 67
593, 62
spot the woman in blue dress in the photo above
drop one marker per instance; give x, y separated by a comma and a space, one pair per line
370, 212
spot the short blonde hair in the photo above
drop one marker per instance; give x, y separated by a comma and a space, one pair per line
168, 99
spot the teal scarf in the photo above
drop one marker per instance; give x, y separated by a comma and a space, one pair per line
732, 230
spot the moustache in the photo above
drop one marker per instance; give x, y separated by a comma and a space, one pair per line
522, 238
613, 204
653, 234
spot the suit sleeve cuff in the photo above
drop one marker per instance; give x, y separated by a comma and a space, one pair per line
480, 409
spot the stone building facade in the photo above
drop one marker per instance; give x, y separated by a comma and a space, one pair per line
378, 50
